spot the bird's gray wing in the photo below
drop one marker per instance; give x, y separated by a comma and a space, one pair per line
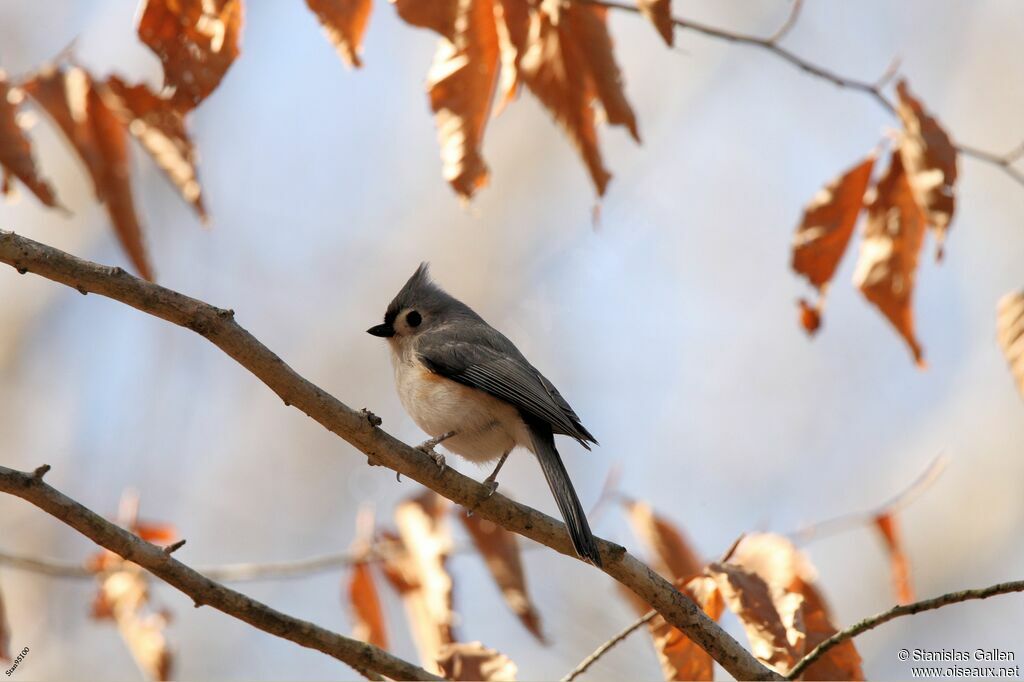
503, 374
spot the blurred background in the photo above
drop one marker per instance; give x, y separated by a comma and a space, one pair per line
670, 326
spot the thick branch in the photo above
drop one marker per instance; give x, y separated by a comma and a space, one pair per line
364, 657
896, 612
872, 89
219, 327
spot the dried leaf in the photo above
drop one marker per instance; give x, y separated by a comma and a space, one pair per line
125, 597
5, 633
1010, 330
929, 158
461, 84
366, 607
512, 20
160, 127
588, 26
438, 16
196, 40
345, 23
842, 662
158, 533
770, 585
474, 661
71, 99
749, 597
659, 12
810, 316
676, 559
827, 225
15, 149
887, 526
680, 658
887, 265
570, 67
420, 575
500, 551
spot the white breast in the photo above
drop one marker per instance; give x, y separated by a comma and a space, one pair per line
486, 427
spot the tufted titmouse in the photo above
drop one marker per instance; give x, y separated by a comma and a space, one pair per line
467, 385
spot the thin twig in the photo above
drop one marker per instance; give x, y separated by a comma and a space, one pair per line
363, 657
873, 90
220, 328
789, 23
896, 612
381, 549
902, 500
607, 646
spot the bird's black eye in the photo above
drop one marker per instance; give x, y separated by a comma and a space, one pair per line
413, 319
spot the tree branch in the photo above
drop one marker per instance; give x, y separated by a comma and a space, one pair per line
1004, 162
364, 658
608, 646
901, 501
357, 428
896, 612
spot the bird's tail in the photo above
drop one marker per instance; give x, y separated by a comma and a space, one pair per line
565, 496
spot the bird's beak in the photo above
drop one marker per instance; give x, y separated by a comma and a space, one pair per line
385, 331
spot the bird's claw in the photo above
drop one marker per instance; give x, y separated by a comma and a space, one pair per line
438, 460
491, 486
427, 449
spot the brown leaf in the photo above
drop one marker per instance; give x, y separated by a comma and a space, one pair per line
570, 68
769, 585
345, 23
420, 574
125, 597
71, 99
827, 225
887, 526
680, 658
1010, 330
438, 16
930, 161
887, 265
676, 559
810, 316
160, 128
842, 662
659, 12
155, 532
461, 84
512, 20
588, 26
500, 551
196, 40
474, 661
749, 597
366, 607
15, 149
5, 633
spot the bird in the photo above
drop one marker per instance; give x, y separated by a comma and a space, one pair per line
467, 386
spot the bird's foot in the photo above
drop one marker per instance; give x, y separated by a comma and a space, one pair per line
491, 486
427, 448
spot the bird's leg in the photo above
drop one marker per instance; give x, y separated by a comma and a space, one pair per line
491, 483
427, 448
